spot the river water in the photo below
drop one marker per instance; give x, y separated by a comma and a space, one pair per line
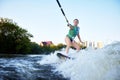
27, 68
88, 64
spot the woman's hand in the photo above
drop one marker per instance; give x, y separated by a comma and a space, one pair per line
70, 26
82, 42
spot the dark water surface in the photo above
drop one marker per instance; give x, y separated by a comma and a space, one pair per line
26, 68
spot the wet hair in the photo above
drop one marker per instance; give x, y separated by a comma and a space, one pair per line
76, 20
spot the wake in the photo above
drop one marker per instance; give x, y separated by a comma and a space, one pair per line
89, 64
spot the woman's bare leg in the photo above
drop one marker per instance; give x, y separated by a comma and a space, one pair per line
68, 43
75, 45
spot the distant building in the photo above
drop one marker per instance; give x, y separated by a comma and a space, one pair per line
46, 43
86, 43
93, 44
99, 44
90, 44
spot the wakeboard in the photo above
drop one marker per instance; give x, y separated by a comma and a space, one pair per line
62, 56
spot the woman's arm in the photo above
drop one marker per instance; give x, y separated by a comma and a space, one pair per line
70, 26
79, 38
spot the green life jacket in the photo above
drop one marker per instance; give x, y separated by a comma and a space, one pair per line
73, 32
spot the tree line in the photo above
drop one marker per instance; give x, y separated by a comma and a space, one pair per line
16, 40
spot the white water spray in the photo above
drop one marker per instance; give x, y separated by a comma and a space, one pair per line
89, 64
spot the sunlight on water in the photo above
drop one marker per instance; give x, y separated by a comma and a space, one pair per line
89, 64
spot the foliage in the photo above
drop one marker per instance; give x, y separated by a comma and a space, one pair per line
36, 49
13, 39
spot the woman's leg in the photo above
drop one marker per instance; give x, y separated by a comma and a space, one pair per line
75, 45
68, 43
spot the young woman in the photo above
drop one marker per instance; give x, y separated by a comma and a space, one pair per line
73, 32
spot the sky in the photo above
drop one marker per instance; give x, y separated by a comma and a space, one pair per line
99, 20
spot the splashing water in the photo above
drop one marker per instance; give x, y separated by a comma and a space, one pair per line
89, 64
26, 68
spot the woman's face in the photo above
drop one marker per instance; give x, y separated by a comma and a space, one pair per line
75, 22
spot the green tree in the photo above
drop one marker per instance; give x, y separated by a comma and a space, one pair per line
36, 49
60, 46
13, 39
